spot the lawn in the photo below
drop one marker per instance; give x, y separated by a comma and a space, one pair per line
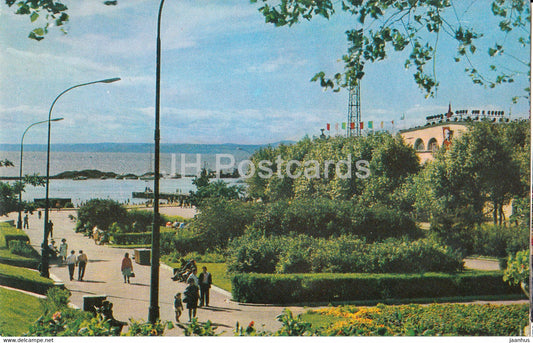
19, 311
218, 272
23, 274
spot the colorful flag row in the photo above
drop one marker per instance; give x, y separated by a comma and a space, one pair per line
370, 125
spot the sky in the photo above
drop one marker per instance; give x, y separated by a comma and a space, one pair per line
227, 76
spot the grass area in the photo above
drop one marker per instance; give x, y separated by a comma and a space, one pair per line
19, 311
218, 272
23, 274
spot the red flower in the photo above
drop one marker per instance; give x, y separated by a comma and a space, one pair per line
251, 324
56, 316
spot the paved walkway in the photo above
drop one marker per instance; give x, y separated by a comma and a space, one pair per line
132, 300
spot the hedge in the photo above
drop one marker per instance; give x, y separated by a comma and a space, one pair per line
311, 288
136, 238
9, 233
25, 279
7, 257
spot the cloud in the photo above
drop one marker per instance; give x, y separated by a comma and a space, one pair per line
274, 65
29, 60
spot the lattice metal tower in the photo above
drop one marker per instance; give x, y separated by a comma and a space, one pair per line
354, 111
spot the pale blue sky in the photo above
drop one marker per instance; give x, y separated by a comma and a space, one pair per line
226, 76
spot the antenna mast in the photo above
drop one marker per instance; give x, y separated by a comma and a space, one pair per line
354, 111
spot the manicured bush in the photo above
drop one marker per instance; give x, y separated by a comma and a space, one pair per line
345, 254
140, 238
323, 217
10, 233
307, 288
22, 248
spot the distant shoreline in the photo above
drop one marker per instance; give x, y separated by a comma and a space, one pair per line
169, 148
94, 174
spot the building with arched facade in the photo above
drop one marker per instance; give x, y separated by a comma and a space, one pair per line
441, 129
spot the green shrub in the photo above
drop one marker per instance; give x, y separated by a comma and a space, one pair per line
345, 254
305, 288
101, 213
140, 238
22, 248
325, 217
220, 221
481, 239
10, 233
500, 241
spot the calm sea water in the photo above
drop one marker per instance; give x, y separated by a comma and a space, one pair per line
120, 163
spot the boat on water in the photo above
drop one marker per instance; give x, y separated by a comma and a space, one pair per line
78, 178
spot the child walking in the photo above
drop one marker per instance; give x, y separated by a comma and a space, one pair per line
178, 306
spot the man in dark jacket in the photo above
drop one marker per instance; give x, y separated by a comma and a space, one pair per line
205, 280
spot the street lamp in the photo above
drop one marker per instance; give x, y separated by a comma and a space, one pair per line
44, 247
153, 310
19, 222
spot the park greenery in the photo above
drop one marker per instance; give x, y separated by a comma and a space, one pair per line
334, 224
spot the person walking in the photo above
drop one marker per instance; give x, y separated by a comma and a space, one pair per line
50, 228
63, 250
126, 268
194, 277
191, 298
206, 280
26, 224
71, 264
82, 263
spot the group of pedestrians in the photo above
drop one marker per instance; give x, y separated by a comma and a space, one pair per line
197, 290
79, 261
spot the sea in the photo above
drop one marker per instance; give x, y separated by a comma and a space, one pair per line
121, 163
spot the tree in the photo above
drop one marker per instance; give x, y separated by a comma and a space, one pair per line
386, 26
55, 14
101, 213
217, 189
479, 167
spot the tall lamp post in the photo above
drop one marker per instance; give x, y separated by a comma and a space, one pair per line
19, 222
44, 247
153, 310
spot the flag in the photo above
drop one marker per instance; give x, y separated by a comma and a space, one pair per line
343, 126
370, 124
402, 117
352, 125
361, 125
381, 125
392, 122
337, 126
327, 126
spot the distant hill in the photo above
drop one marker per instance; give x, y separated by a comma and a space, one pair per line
143, 147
